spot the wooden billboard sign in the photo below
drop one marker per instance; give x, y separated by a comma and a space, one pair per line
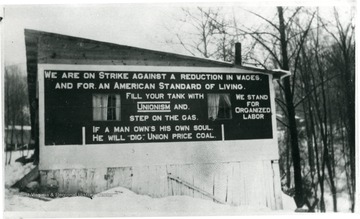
127, 106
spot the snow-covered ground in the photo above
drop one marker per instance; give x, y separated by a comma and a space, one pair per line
121, 202
125, 202
15, 170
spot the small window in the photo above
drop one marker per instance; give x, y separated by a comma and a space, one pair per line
106, 107
219, 106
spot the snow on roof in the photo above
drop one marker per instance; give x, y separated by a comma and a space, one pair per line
254, 66
285, 72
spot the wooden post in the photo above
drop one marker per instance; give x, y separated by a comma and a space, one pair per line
238, 60
222, 132
83, 136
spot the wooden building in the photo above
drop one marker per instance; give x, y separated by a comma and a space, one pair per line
107, 115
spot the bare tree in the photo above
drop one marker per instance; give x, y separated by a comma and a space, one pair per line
205, 32
343, 59
15, 102
291, 40
283, 44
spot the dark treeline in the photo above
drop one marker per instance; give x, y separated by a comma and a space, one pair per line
315, 106
16, 106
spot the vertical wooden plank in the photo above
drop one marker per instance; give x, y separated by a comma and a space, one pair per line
99, 180
110, 175
176, 186
135, 185
49, 175
43, 178
193, 182
64, 178
207, 179
169, 170
277, 185
126, 177
153, 181
204, 177
150, 180
243, 197
189, 177
121, 176
258, 190
73, 181
196, 180
110, 178
57, 180
253, 183
162, 183
183, 175
81, 178
70, 180
90, 180
268, 184
179, 188
228, 176
134, 181
231, 182
240, 195
140, 181
221, 181
234, 184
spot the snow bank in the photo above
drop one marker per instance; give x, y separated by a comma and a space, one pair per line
288, 203
125, 202
15, 172
117, 200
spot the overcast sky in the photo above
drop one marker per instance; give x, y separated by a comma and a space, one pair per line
136, 25
140, 25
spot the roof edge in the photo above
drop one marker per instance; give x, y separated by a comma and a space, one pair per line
45, 33
277, 73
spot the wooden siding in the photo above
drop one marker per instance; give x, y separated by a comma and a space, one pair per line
234, 183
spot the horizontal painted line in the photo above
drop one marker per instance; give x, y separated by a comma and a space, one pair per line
154, 111
145, 102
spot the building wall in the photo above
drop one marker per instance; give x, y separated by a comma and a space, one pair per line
254, 183
238, 172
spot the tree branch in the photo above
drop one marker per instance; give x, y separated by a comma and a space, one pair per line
314, 89
265, 19
283, 123
298, 52
292, 17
